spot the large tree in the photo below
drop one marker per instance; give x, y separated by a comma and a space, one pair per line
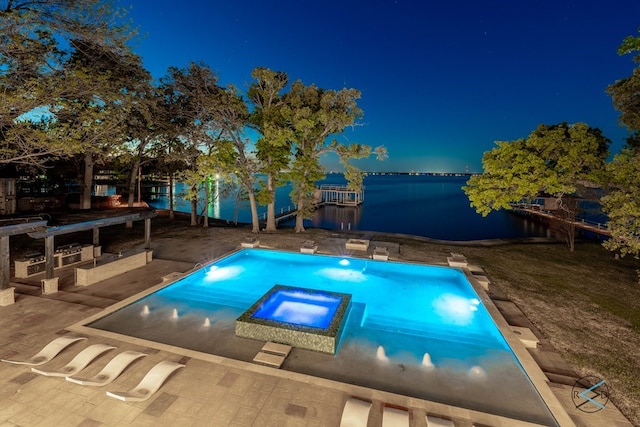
194, 100
315, 115
274, 142
108, 88
233, 149
621, 203
35, 46
556, 161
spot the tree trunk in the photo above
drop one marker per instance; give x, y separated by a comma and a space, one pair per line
255, 222
271, 209
300, 217
87, 181
171, 215
207, 202
194, 207
132, 183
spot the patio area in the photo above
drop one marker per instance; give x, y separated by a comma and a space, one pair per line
210, 390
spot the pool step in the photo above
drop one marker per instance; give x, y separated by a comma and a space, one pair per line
408, 327
272, 354
219, 297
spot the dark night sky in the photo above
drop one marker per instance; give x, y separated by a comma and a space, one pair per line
440, 81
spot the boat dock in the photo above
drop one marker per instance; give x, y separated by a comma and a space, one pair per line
536, 211
338, 195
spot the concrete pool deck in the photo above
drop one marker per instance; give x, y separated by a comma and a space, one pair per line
210, 390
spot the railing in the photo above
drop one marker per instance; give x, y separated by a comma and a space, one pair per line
284, 213
536, 209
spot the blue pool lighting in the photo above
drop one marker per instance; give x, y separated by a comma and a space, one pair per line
410, 329
299, 308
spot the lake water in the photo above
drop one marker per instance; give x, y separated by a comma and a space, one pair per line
423, 205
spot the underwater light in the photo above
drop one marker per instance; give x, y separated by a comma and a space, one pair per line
344, 262
222, 273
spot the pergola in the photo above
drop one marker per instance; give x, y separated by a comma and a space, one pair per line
6, 232
39, 230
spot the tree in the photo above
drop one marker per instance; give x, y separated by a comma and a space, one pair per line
35, 44
273, 146
202, 117
233, 148
314, 115
621, 203
106, 87
557, 161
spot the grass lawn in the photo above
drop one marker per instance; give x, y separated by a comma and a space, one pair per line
586, 303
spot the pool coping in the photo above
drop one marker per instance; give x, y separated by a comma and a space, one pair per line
531, 368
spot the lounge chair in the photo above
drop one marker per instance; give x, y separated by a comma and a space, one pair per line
355, 413
78, 363
49, 351
433, 421
149, 384
394, 417
111, 371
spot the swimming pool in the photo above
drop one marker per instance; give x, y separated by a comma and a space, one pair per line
415, 330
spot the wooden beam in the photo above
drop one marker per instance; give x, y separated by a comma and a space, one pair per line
147, 233
89, 225
48, 257
26, 227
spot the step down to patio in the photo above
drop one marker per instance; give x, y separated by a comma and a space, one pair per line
276, 348
273, 360
272, 354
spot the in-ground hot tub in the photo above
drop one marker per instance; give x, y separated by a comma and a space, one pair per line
304, 318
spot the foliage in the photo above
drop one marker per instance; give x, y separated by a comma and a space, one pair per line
623, 182
622, 203
37, 39
553, 161
273, 147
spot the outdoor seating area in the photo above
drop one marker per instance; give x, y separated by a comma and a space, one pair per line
147, 387
122, 370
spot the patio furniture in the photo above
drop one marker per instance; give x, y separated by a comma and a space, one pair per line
78, 363
355, 413
111, 371
394, 417
151, 383
49, 351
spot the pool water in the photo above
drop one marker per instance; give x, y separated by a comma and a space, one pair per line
412, 329
314, 310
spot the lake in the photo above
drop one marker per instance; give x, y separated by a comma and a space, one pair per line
423, 205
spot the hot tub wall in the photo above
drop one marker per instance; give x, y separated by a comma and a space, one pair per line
325, 341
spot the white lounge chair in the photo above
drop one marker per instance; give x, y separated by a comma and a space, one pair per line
433, 421
78, 363
149, 384
111, 371
49, 351
355, 413
394, 417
